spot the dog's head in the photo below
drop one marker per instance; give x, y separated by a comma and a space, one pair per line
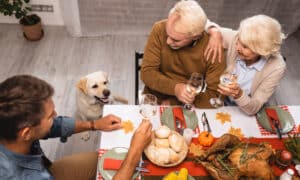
94, 85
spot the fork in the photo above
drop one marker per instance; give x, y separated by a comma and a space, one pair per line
179, 126
140, 167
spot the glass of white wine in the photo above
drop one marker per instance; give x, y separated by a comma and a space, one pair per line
194, 86
229, 76
148, 106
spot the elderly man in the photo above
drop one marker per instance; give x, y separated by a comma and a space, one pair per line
27, 114
175, 49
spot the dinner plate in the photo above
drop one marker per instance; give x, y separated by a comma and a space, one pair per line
115, 153
167, 118
285, 118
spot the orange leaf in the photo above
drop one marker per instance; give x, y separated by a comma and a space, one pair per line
223, 117
236, 131
127, 126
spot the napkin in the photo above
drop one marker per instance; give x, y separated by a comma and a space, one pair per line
272, 115
178, 114
112, 164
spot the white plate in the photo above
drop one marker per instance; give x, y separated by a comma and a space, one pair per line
115, 153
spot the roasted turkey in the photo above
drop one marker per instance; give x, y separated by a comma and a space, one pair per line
231, 159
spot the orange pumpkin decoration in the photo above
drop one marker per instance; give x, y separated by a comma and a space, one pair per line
205, 138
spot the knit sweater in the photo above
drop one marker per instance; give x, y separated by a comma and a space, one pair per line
264, 82
163, 67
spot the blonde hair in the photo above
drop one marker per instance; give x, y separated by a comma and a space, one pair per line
262, 34
191, 17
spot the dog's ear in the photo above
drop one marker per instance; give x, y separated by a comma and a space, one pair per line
81, 85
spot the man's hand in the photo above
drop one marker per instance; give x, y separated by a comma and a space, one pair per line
183, 95
142, 136
232, 90
214, 49
108, 123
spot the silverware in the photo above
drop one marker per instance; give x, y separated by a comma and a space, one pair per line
205, 122
178, 126
141, 165
141, 169
278, 130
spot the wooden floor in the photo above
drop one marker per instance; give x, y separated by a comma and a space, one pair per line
62, 60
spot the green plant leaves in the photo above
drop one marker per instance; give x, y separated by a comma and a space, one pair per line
18, 8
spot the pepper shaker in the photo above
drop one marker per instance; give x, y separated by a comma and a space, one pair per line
287, 175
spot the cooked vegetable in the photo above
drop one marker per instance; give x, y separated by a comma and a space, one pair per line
292, 143
205, 138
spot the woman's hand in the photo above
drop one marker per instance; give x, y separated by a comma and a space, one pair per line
214, 49
232, 90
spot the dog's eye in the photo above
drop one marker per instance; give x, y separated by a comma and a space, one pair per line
95, 86
105, 82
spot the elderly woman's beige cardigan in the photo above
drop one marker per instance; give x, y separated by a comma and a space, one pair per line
264, 82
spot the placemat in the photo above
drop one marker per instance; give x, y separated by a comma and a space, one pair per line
264, 132
196, 130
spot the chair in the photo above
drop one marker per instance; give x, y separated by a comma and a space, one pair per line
138, 60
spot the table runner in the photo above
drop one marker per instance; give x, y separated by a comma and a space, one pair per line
194, 169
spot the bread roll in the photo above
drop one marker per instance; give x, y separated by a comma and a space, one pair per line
162, 143
163, 155
162, 132
174, 157
152, 152
176, 142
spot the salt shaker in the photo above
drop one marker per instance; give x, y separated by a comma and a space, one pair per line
188, 135
297, 167
287, 175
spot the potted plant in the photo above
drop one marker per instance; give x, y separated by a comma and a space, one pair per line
31, 23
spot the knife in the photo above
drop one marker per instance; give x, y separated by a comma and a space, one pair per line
276, 124
205, 121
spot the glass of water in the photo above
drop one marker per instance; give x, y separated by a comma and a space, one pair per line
148, 106
229, 76
194, 86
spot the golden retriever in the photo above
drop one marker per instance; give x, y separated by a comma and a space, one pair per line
92, 94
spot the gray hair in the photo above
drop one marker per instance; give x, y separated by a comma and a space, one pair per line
262, 34
192, 18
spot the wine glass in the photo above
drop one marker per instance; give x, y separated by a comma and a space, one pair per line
228, 77
194, 86
148, 106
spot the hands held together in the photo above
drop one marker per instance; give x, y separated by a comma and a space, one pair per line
232, 89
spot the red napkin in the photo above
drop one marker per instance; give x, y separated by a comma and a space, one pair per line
112, 164
178, 114
272, 114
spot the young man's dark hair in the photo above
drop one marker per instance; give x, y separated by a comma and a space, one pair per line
21, 104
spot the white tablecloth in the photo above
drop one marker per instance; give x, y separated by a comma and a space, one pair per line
248, 124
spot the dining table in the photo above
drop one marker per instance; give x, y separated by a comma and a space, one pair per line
240, 123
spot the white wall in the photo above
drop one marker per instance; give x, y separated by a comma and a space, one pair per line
53, 18
70, 14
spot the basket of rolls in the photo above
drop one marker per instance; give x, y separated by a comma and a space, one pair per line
167, 148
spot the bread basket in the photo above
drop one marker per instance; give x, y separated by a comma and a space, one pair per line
181, 155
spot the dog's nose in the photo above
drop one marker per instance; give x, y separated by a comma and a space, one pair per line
106, 92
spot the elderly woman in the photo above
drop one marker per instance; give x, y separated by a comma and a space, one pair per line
253, 51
